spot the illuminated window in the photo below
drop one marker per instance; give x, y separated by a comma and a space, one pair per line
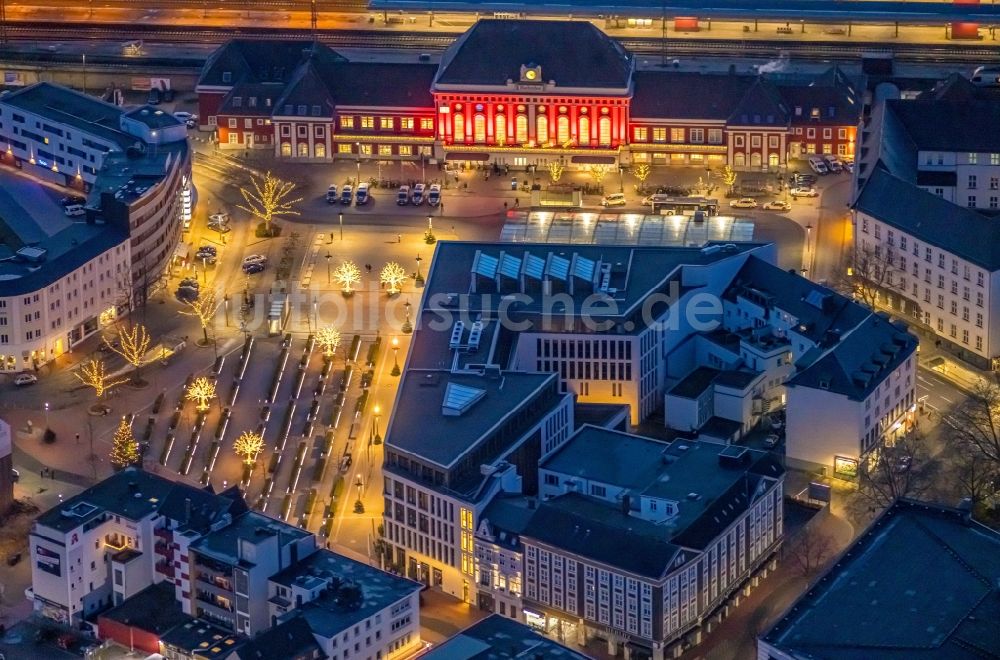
715, 136
405, 150
542, 129
347, 121
584, 131
427, 123
697, 136
659, 135
676, 134
501, 129
604, 131
479, 128
385, 123
303, 149
640, 134
344, 149
406, 123
367, 122
385, 150
320, 150
459, 127
562, 129
366, 150
286, 149
232, 122
521, 129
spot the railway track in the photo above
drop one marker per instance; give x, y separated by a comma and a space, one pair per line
427, 41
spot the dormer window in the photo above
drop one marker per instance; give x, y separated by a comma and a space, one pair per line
814, 113
237, 101
227, 76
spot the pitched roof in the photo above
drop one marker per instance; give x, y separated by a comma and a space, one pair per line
961, 231
260, 60
705, 96
920, 582
264, 95
951, 123
290, 639
830, 92
381, 84
498, 638
761, 105
571, 53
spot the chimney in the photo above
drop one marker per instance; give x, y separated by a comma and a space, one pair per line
187, 509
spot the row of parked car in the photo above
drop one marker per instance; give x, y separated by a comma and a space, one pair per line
829, 164
404, 196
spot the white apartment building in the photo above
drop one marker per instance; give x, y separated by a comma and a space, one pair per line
353, 610
928, 191
634, 541
63, 278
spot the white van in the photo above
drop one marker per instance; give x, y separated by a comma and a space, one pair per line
74, 210
614, 199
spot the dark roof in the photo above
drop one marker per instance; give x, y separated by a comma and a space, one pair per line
83, 112
571, 53
696, 382
289, 639
830, 92
325, 615
306, 91
498, 638
920, 583
510, 515
379, 84
956, 229
705, 96
761, 105
950, 125
198, 509
260, 60
223, 543
201, 637
155, 609
266, 95
957, 87
601, 532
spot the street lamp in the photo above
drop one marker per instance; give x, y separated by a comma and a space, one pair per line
358, 145
377, 438
407, 325
359, 506
395, 356
341, 216
418, 279
329, 276
225, 301
46, 414
429, 234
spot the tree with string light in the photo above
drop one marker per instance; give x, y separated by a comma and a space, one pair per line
347, 275
203, 308
556, 169
124, 448
328, 339
393, 276
269, 200
248, 446
202, 390
132, 345
641, 172
93, 373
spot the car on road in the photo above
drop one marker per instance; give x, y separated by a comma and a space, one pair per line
802, 179
403, 196
614, 199
347, 195
219, 222
70, 200
253, 268
834, 164
185, 116
331, 194
418, 194
818, 165
744, 203
778, 205
254, 259
771, 441
803, 192
208, 249
362, 196
434, 194
189, 282
25, 379
207, 259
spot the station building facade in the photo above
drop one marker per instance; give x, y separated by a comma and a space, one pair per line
522, 94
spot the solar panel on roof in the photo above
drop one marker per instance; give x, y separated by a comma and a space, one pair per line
459, 398
534, 266
485, 265
558, 267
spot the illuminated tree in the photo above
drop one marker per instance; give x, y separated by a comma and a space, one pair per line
132, 345
201, 390
729, 177
268, 200
248, 445
347, 274
393, 276
124, 448
203, 308
556, 169
598, 172
329, 339
92, 373
641, 172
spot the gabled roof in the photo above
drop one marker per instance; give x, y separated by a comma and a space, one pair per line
761, 105
289, 639
961, 231
686, 95
571, 53
381, 84
953, 123
260, 60
306, 94
264, 95
831, 92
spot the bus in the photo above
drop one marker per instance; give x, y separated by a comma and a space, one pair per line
695, 207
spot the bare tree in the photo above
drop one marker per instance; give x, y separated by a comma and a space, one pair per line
867, 275
203, 308
132, 345
809, 551
976, 424
269, 200
904, 469
973, 477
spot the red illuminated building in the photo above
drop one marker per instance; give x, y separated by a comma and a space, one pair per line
522, 94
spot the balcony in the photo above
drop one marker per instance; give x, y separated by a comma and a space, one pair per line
163, 533
215, 586
165, 568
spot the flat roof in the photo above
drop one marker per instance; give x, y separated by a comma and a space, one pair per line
155, 609
609, 228
327, 617
202, 637
419, 427
498, 638
67, 106
920, 582
223, 544
694, 383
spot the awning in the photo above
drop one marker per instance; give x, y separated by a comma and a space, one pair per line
182, 251
593, 160
467, 156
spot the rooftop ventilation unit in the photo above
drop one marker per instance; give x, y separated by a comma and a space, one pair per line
456, 335
475, 335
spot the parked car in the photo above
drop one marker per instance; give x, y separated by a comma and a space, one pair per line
418, 194
331, 194
253, 268
403, 196
818, 165
778, 205
802, 179
207, 249
254, 259
347, 195
849, 166
803, 192
25, 379
434, 194
614, 199
188, 282
219, 222
362, 196
69, 200
185, 116
744, 203
834, 164
74, 210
